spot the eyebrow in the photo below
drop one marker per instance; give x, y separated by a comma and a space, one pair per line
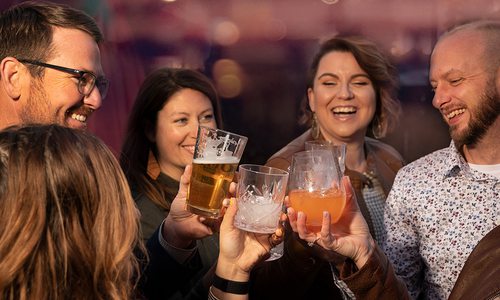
187, 114
336, 76
446, 74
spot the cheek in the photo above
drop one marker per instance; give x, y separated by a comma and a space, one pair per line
319, 100
167, 139
210, 124
322, 97
370, 102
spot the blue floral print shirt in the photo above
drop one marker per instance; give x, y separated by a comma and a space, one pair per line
437, 211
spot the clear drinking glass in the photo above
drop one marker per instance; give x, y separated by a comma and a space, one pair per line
315, 186
216, 157
260, 192
338, 150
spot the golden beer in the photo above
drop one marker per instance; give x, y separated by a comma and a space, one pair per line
209, 185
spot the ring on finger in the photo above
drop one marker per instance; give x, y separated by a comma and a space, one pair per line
274, 240
310, 244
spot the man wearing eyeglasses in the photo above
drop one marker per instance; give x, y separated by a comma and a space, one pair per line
50, 70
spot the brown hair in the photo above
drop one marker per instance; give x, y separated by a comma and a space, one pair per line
380, 71
68, 224
26, 29
153, 94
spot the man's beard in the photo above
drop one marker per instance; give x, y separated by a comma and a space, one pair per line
37, 107
481, 118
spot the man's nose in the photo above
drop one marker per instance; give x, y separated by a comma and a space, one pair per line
94, 99
441, 97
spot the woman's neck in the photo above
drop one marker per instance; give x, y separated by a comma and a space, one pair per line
355, 151
356, 157
171, 171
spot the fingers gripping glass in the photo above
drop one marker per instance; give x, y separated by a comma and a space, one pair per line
86, 80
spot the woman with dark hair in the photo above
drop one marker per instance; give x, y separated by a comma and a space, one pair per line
159, 144
350, 99
161, 135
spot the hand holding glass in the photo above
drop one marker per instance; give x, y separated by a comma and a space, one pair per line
216, 156
315, 186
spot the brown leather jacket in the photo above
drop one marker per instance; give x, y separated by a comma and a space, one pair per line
375, 280
480, 276
304, 272
383, 159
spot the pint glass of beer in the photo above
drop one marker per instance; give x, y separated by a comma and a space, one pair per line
216, 157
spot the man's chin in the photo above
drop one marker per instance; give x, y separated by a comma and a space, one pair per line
458, 138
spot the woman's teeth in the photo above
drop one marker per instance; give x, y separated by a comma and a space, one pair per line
344, 110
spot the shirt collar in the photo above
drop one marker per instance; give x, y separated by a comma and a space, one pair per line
458, 165
454, 163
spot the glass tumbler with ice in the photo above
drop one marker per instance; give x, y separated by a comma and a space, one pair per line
260, 195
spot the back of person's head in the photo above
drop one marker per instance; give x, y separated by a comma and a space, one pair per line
68, 224
379, 69
154, 93
26, 29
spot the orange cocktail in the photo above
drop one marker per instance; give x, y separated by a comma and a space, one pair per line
314, 203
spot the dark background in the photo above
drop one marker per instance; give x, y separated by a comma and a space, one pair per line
257, 54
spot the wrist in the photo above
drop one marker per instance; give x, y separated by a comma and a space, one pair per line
230, 271
364, 253
230, 286
172, 237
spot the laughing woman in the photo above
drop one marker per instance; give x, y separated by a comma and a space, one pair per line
350, 99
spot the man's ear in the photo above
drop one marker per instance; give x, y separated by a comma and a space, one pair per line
11, 77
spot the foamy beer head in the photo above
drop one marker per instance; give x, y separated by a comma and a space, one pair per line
216, 157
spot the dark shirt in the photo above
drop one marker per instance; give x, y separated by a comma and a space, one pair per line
163, 277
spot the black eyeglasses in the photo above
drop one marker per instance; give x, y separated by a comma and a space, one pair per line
86, 80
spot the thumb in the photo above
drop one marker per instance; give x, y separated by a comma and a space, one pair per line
346, 181
350, 195
185, 178
227, 222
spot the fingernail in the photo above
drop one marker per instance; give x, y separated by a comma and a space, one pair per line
279, 232
325, 214
300, 214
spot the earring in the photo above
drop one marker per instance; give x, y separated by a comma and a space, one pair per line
315, 127
377, 128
